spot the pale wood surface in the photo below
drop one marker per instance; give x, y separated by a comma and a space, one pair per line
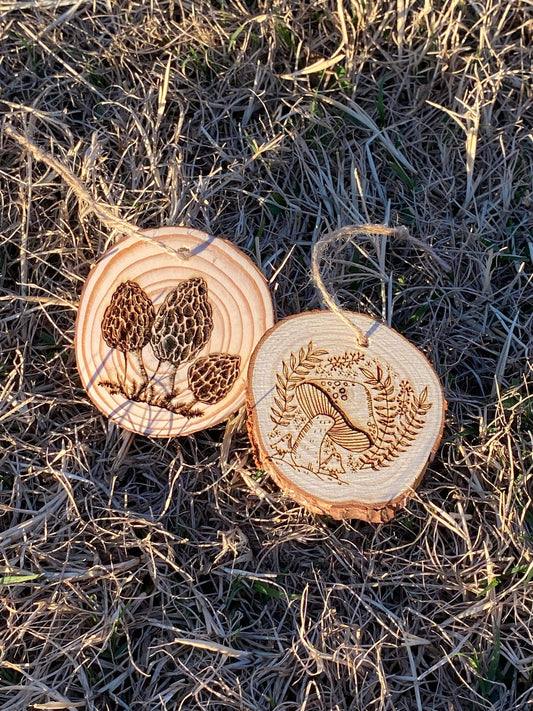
162, 342
345, 430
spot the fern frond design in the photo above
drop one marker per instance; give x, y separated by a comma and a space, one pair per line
293, 372
413, 419
386, 412
400, 416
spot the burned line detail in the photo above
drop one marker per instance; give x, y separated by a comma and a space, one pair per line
334, 414
177, 333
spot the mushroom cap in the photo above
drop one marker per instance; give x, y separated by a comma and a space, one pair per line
349, 430
212, 377
128, 318
353, 399
184, 322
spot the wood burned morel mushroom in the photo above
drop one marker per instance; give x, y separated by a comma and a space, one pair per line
128, 318
210, 379
183, 323
127, 324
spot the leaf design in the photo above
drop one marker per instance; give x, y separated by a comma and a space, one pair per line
293, 372
386, 411
400, 416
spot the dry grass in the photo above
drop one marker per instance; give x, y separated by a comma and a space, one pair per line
147, 575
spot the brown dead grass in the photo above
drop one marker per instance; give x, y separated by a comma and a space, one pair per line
147, 575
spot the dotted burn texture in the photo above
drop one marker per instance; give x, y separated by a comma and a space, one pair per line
212, 377
184, 323
128, 319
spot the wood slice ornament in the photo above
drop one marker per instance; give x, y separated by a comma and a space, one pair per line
346, 426
166, 326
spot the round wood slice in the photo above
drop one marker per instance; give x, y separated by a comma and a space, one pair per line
345, 430
163, 342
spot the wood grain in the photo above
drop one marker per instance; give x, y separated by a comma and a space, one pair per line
163, 340
345, 430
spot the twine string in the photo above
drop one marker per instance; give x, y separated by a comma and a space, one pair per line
104, 213
349, 235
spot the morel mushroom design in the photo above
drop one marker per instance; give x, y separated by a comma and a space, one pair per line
127, 323
183, 324
170, 298
325, 405
177, 333
210, 379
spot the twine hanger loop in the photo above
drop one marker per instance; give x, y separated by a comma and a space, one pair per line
103, 212
349, 235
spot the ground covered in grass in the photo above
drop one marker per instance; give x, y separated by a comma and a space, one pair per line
143, 575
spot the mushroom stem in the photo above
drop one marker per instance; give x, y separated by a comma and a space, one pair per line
307, 449
151, 381
173, 382
125, 371
137, 390
142, 368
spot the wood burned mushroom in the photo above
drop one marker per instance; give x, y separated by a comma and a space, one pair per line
183, 325
210, 379
347, 420
184, 322
352, 398
126, 327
